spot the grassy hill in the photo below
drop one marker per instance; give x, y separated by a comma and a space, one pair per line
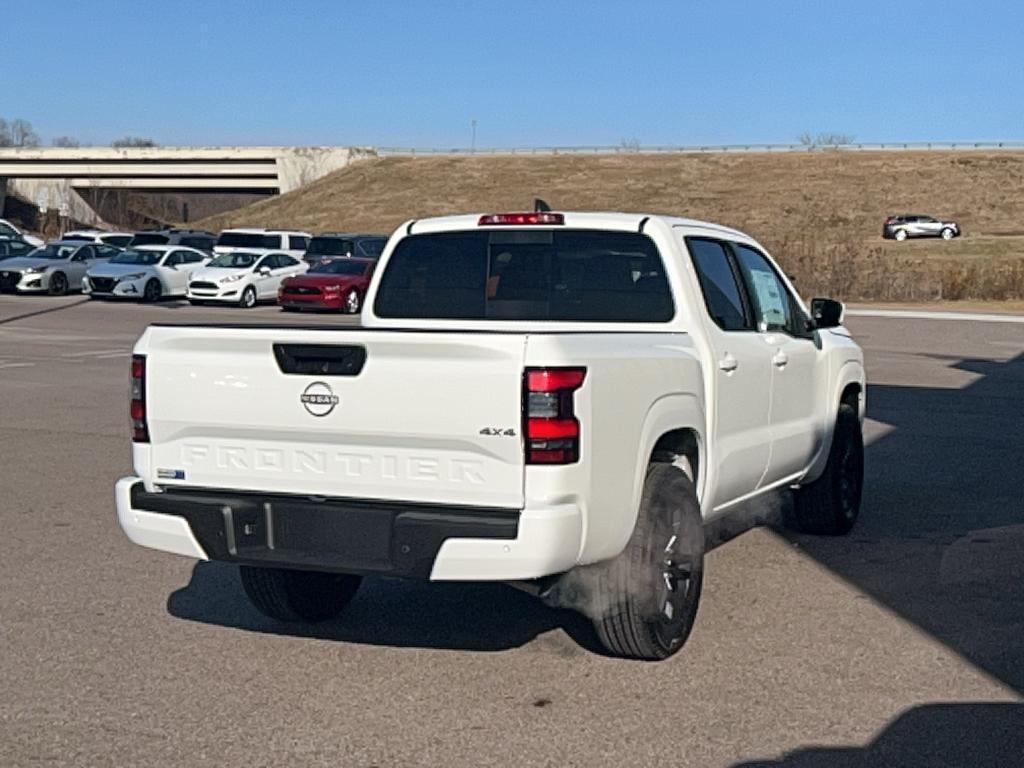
820, 213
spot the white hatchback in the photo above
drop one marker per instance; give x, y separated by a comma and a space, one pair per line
147, 272
243, 278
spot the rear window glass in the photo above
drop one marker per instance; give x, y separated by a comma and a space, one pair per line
328, 246
568, 275
248, 240
148, 238
339, 267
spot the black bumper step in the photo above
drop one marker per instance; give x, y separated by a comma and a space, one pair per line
337, 535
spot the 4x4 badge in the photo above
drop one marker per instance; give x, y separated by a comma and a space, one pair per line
319, 399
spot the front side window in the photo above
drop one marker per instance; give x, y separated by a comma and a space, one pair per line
771, 300
537, 274
6, 230
718, 283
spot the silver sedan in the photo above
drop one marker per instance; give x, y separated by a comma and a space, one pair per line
55, 268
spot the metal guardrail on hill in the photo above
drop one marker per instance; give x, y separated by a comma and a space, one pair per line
708, 148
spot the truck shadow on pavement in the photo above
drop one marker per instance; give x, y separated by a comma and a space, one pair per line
960, 734
397, 613
940, 543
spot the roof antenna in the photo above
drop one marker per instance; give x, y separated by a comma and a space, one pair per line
540, 205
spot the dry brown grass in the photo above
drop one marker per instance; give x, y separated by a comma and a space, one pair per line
819, 213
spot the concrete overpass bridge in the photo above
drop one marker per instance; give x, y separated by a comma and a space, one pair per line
260, 170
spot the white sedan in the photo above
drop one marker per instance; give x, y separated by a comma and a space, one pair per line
243, 277
147, 272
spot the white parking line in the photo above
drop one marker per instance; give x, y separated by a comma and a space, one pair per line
96, 353
913, 314
16, 365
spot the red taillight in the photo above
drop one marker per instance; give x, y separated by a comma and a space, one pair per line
534, 217
140, 427
550, 427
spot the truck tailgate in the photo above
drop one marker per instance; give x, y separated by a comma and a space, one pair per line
389, 415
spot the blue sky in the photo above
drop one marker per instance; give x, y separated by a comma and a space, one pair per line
389, 73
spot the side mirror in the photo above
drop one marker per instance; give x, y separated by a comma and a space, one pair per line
264, 271
827, 313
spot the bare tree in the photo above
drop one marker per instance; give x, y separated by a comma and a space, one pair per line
825, 139
5, 134
133, 141
23, 135
66, 141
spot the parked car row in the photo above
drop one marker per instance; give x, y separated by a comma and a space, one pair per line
240, 266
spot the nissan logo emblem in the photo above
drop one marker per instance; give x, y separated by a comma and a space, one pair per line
319, 399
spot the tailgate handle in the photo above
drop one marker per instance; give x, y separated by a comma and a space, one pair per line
320, 359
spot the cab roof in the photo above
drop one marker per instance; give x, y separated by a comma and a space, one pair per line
573, 219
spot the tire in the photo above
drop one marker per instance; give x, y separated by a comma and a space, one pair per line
298, 596
58, 285
289, 309
353, 302
648, 600
830, 505
196, 302
900, 234
248, 298
946, 234
152, 291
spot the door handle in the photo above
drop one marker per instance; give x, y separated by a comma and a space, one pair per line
728, 363
779, 359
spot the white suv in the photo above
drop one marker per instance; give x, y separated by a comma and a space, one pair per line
9, 230
256, 239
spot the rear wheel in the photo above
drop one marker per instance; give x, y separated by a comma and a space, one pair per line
901, 234
152, 291
298, 596
830, 505
196, 302
649, 594
248, 299
58, 284
353, 302
289, 309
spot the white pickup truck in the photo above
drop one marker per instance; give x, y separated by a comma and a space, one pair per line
560, 401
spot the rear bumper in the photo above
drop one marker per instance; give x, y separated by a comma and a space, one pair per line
353, 536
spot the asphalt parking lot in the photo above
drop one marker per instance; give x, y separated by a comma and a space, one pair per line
898, 645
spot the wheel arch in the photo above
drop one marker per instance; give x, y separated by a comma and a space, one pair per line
674, 427
850, 389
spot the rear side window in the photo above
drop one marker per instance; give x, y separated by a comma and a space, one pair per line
118, 240
719, 285
567, 275
298, 242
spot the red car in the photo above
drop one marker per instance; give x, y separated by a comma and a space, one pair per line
337, 284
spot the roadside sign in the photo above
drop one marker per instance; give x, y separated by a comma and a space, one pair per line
43, 199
